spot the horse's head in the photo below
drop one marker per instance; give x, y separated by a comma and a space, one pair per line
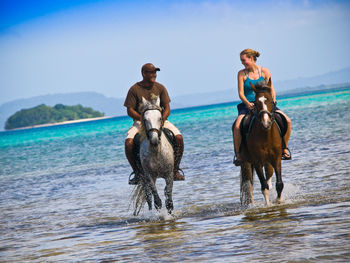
152, 119
264, 104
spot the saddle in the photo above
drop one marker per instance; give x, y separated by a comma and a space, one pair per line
248, 120
136, 147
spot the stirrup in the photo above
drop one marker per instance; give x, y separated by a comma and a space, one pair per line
236, 161
182, 176
286, 157
134, 180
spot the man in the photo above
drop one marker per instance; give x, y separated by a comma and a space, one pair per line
147, 88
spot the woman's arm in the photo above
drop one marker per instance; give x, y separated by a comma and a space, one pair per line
241, 95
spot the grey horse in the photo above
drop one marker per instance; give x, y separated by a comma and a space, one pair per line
157, 159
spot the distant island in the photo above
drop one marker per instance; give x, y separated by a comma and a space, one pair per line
338, 80
42, 114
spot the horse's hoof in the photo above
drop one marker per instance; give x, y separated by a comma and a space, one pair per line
279, 201
170, 206
158, 203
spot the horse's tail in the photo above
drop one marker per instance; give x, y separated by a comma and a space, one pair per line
246, 178
138, 198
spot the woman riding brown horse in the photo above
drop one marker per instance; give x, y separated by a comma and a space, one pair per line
261, 148
253, 74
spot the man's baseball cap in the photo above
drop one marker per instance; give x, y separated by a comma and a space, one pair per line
149, 67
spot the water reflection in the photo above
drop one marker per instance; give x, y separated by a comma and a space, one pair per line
265, 214
161, 230
160, 239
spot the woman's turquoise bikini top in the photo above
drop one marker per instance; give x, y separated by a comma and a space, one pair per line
248, 91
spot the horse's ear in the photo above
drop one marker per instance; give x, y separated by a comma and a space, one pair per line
253, 87
269, 83
144, 101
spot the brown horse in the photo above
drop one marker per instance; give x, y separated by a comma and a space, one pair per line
262, 147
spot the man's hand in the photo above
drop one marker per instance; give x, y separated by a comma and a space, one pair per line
133, 114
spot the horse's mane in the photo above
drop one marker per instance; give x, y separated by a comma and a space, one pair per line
150, 107
263, 86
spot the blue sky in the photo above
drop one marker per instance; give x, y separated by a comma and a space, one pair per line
55, 46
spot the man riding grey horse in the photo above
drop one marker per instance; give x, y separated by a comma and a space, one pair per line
149, 88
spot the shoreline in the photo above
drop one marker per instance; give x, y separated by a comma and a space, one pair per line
61, 123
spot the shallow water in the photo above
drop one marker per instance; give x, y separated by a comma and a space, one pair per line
64, 195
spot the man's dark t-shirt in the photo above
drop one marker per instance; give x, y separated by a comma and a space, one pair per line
137, 91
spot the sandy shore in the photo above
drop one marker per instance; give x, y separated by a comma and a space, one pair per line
62, 123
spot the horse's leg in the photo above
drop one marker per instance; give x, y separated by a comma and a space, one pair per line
279, 182
148, 192
269, 174
264, 186
157, 200
150, 189
246, 184
168, 192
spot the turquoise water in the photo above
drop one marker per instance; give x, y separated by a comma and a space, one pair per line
64, 194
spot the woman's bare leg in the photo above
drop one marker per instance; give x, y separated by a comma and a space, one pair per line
237, 138
288, 132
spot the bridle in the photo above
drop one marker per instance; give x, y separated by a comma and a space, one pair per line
158, 131
261, 112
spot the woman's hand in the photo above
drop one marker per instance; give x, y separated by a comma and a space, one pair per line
250, 105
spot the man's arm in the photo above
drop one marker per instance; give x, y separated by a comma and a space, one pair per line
133, 114
166, 112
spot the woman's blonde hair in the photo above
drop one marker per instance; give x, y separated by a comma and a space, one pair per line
250, 53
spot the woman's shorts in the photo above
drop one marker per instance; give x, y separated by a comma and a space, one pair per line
137, 125
242, 109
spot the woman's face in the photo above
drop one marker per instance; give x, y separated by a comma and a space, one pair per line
246, 61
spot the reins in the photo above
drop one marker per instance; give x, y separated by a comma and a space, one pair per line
258, 114
159, 131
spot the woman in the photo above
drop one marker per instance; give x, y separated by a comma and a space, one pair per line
252, 74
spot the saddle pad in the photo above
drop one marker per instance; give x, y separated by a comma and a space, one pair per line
170, 136
136, 146
281, 122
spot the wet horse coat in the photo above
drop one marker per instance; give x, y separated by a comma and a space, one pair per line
262, 148
156, 159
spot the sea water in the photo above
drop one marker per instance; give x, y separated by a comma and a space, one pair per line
64, 195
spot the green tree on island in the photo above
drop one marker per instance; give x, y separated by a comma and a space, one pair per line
43, 114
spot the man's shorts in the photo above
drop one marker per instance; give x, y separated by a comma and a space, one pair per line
137, 125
